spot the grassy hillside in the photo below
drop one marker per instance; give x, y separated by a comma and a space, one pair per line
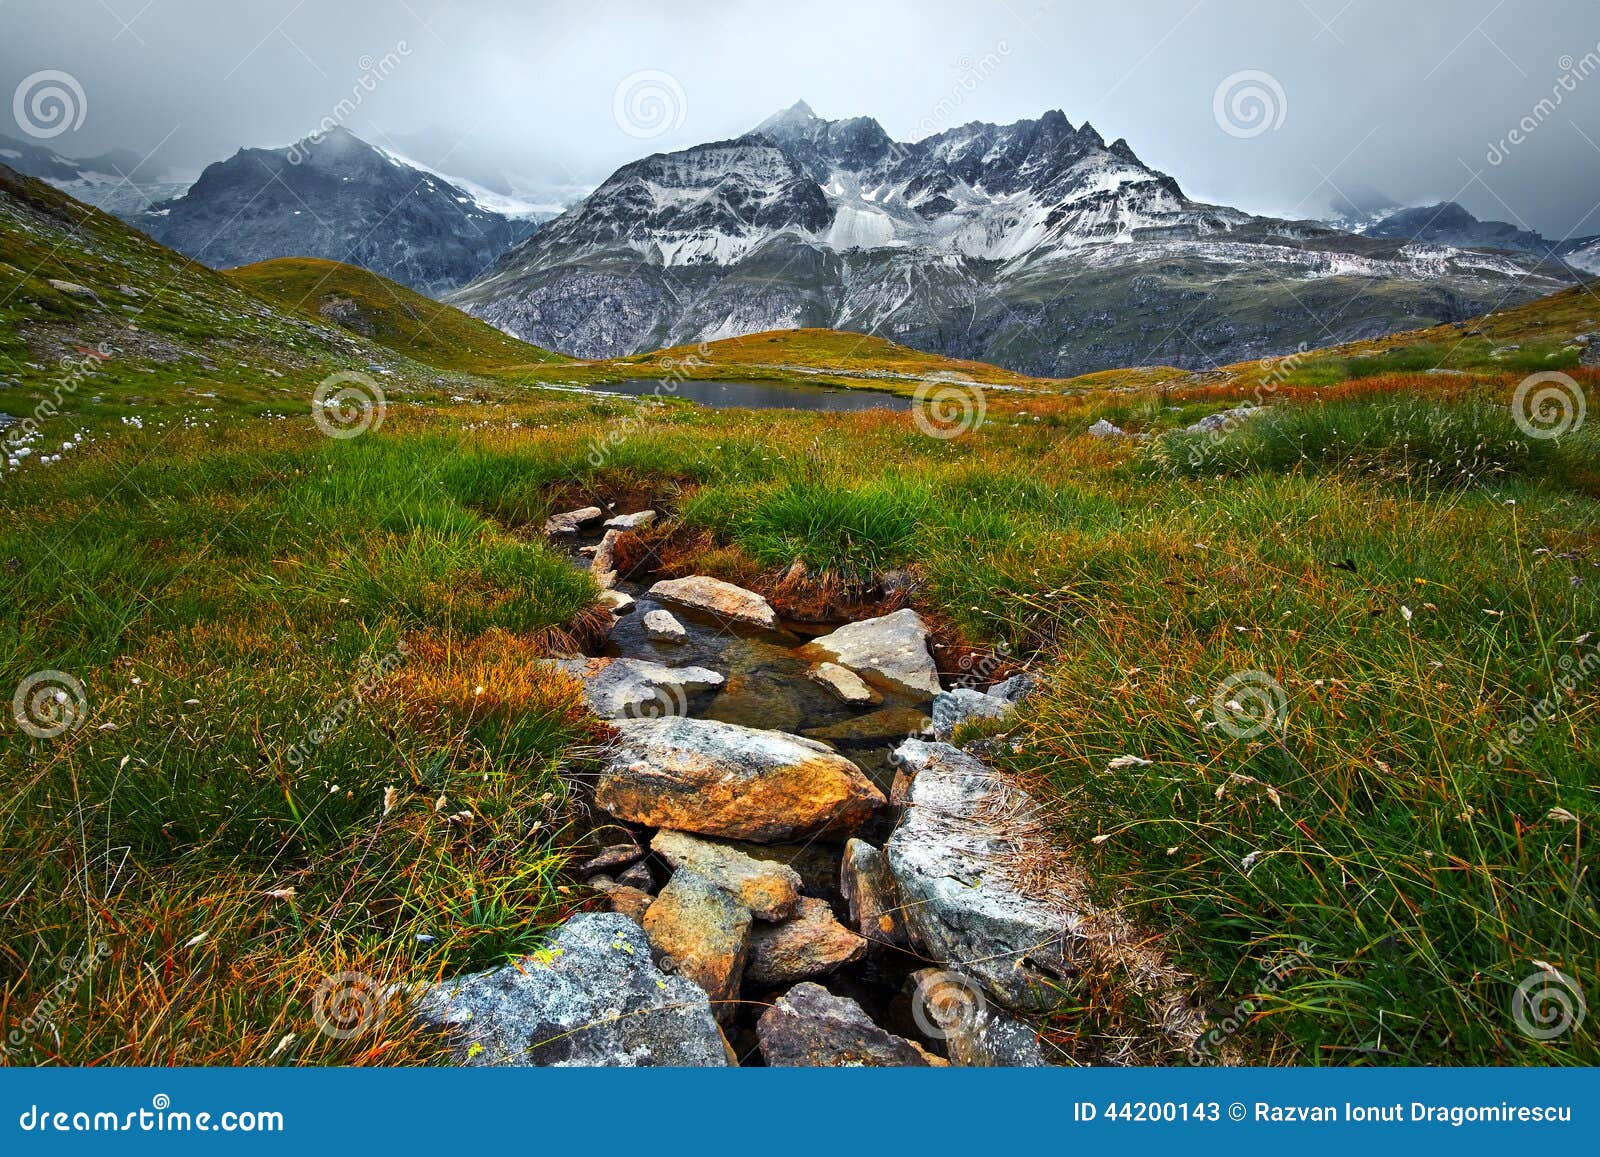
386, 313
313, 738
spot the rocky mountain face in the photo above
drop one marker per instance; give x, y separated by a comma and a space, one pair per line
118, 182
337, 197
1448, 223
1035, 245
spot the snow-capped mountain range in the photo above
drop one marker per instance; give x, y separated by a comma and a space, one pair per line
338, 197
118, 182
1036, 245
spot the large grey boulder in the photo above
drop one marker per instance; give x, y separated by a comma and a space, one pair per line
720, 779
637, 688
966, 861
809, 1026
715, 597
963, 705
890, 650
591, 997
1222, 422
769, 890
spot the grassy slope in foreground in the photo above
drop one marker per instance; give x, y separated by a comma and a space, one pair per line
1412, 572
387, 313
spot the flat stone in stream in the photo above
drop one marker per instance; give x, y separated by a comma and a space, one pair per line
637, 688
617, 602
973, 868
699, 931
592, 996
809, 1026
768, 890
846, 685
812, 943
888, 723
720, 779
573, 521
715, 597
890, 649
636, 521
660, 626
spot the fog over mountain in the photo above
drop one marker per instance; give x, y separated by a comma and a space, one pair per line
544, 100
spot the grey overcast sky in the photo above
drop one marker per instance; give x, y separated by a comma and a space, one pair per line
1400, 98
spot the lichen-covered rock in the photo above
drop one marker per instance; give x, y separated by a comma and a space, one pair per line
611, 858
891, 650
630, 901
868, 888
720, 779
963, 705
604, 564
592, 996
962, 860
699, 931
812, 943
976, 1033
768, 890
715, 597
809, 1026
